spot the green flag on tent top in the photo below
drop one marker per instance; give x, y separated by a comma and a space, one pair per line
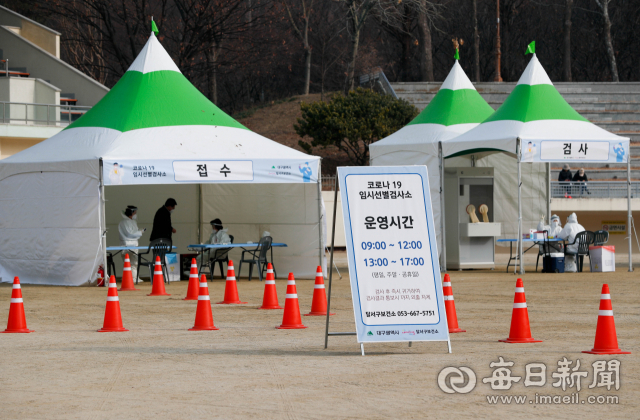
531, 48
154, 28
457, 55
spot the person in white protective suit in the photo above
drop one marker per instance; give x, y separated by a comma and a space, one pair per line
571, 229
553, 231
129, 235
219, 235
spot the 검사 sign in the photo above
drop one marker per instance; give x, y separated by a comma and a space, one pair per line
393, 259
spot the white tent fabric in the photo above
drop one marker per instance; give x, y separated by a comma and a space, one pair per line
52, 201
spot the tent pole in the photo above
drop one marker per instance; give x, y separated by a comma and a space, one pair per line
548, 193
518, 157
443, 241
320, 239
103, 222
629, 215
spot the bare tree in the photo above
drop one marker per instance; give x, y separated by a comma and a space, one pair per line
476, 42
426, 48
566, 61
604, 8
300, 24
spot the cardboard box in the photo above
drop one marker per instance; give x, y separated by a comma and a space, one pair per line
602, 259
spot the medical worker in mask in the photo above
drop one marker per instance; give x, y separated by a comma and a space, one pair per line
553, 231
129, 235
571, 229
219, 235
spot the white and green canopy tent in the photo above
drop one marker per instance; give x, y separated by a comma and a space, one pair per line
153, 136
536, 124
454, 110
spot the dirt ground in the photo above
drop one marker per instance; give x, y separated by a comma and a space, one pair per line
249, 369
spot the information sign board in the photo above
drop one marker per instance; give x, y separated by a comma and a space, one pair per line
393, 259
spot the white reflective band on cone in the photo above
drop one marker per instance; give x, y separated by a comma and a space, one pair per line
203, 284
112, 298
231, 279
519, 305
605, 313
291, 296
519, 289
448, 298
291, 282
607, 297
113, 285
194, 265
16, 300
157, 273
193, 276
126, 269
269, 282
269, 271
204, 298
318, 286
17, 286
446, 284
158, 263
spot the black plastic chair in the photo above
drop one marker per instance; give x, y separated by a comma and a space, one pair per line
220, 255
160, 248
583, 240
544, 250
601, 237
258, 257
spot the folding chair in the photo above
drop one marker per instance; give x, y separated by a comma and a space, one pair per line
601, 237
583, 239
258, 257
160, 248
220, 255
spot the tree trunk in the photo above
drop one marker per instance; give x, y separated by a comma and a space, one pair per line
307, 68
607, 38
212, 58
476, 41
355, 41
566, 62
426, 52
498, 77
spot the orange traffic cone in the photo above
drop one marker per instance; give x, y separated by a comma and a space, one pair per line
192, 290
520, 331
17, 322
450, 306
231, 288
319, 303
157, 288
112, 316
127, 277
606, 338
291, 318
204, 317
270, 298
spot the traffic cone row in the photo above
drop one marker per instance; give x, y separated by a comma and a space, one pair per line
291, 317
204, 316
450, 306
112, 315
520, 331
193, 289
127, 277
157, 288
270, 298
231, 288
319, 303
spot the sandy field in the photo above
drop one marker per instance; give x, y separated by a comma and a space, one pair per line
249, 369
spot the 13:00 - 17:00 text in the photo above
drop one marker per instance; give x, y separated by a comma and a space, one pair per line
383, 262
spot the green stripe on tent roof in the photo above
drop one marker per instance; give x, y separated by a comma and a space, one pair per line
533, 103
450, 107
157, 99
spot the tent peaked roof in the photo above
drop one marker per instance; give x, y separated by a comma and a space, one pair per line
153, 57
533, 111
535, 98
153, 93
457, 102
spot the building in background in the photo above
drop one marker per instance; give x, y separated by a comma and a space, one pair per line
39, 93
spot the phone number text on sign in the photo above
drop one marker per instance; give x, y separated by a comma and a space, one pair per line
392, 250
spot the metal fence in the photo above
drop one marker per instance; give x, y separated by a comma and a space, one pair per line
329, 183
594, 189
40, 114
